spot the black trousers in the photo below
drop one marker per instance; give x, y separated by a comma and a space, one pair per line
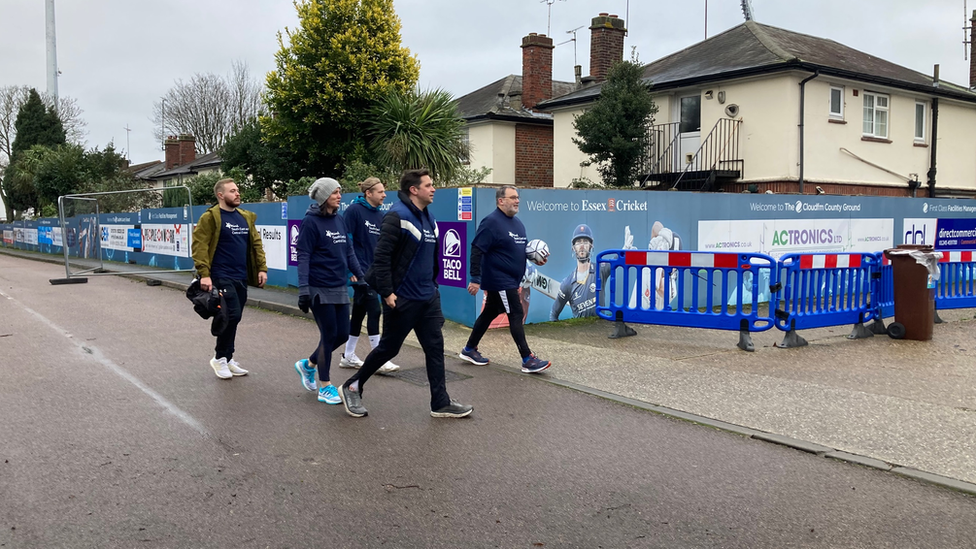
365, 304
427, 321
235, 295
496, 303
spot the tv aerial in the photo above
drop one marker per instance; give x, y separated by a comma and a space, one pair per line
747, 10
966, 29
549, 23
573, 40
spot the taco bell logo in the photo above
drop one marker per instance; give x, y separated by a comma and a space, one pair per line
452, 244
453, 259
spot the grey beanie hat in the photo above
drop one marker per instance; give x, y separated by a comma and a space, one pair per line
322, 189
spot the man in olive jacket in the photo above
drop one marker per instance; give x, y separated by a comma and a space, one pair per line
228, 255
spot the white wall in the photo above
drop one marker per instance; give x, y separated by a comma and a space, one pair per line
566, 156
493, 146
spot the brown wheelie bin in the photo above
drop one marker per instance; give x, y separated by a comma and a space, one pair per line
914, 294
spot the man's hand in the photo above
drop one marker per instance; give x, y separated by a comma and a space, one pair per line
304, 302
473, 288
353, 278
262, 278
390, 301
206, 283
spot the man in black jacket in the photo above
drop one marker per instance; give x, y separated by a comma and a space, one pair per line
404, 273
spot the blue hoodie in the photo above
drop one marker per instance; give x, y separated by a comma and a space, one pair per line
363, 221
324, 253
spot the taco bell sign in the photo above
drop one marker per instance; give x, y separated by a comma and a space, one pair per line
454, 254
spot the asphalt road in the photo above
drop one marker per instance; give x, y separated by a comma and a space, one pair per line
114, 432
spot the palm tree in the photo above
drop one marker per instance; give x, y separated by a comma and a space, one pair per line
418, 130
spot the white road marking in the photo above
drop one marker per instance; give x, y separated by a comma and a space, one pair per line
118, 370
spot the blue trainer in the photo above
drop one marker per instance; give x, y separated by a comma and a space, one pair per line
473, 356
534, 365
329, 394
308, 374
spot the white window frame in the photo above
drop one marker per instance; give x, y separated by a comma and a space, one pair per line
924, 108
839, 114
875, 110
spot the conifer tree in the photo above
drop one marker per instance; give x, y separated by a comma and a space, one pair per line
614, 131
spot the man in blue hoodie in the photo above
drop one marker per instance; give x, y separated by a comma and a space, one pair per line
404, 273
497, 267
363, 219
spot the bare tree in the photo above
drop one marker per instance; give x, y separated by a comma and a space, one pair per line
246, 91
75, 128
208, 106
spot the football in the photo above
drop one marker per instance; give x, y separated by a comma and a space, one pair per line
537, 251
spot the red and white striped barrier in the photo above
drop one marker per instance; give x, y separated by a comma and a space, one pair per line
830, 261
683, 259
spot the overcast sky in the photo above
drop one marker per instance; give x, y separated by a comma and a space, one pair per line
118, 56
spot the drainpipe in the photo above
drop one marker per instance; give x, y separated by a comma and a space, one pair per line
935, 133
935, 144
803, 84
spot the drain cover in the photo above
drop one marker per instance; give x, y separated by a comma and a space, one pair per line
418, 376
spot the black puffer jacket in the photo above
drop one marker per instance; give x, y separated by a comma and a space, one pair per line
397, 246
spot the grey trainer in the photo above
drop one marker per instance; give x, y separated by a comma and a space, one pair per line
352, 402
454, 409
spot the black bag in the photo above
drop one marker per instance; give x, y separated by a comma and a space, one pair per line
209, 305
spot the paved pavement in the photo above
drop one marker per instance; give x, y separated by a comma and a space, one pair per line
902, 406
117, 434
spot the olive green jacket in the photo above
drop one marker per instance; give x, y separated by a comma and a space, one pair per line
205, 237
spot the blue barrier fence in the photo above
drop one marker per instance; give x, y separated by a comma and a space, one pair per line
689, 289
726, 291
819, 290
957, 284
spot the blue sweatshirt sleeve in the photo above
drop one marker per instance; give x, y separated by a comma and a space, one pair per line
307, 240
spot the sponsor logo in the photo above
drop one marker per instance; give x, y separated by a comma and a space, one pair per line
452, 244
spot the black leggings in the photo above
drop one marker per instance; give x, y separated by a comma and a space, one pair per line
365, 304
333, 323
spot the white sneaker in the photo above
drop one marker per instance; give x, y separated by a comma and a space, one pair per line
351, 361
388, 368
220, 368
235, 368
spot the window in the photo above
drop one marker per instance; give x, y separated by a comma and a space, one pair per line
875, 115
920, 122
465, 157
837, 102
690, 114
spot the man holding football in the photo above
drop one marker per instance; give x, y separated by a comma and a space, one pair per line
497, 267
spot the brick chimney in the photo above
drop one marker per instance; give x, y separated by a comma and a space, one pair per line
606, 44
536, 69
972, 51
172, 152
188, 149
180, 150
